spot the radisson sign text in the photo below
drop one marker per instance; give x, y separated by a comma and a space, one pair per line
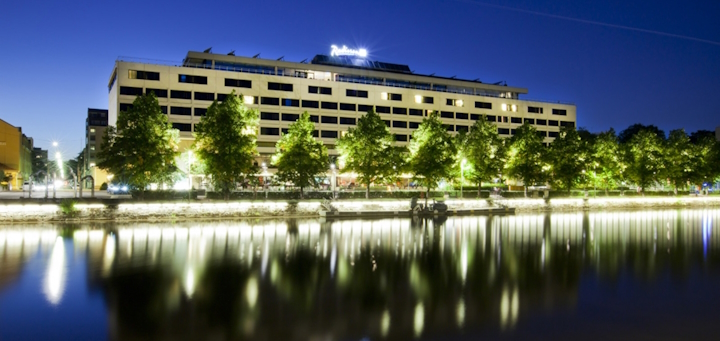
345, 51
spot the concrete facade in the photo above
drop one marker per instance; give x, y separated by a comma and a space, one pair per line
95, 125
335, 95
15, 154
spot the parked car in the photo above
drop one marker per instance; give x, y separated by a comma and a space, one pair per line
118, 189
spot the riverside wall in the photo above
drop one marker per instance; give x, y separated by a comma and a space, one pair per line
108, 210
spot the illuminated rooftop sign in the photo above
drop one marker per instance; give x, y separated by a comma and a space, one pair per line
345, 51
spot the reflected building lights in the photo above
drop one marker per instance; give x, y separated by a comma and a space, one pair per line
385, 323
419, 319
54, 286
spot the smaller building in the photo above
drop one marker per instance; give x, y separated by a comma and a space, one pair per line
15, 155
39, 162
95, 125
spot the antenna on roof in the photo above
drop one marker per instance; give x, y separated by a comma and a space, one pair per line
232, 53
432, 74
208, 50
498, 83
255, 56
476, 80
303, 61
453, 77
281, 58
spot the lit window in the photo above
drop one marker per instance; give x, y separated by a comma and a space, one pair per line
248, 99
92, 130
92, 147
418, 99
384, 96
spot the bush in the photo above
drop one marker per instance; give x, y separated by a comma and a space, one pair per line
103, 187
67, 207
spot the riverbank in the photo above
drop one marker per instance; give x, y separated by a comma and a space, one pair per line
117, 210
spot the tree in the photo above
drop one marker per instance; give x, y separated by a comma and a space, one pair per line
141, 150
484, 151
300, 158
706, 160
627, 134
226, 142
643, 155
369, 151
525, 156
568, 157
432, 153
607, 162
678, 159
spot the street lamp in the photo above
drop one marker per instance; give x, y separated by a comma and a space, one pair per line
462, 175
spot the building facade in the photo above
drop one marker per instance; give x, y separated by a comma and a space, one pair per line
39, 162
336, 90
15, 154
95, 125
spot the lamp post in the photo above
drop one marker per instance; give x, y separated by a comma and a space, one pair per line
462, 176
264, 174
332, 185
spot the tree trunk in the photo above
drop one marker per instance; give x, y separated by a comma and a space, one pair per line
427, 194
606, 192
479, 188
675, 190
525, 189
301, 193
367, 190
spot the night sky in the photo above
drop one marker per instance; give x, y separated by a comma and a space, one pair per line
620, 62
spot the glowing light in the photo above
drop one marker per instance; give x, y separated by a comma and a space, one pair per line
251, 292
345, 51
504, 107
418, 99
459, 103
513, 107
384, 95
460, 313
189, 282
419, 319
56, 272
55, 144
385, 323
109, 254
248, 99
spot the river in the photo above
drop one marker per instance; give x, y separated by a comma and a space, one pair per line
590, 275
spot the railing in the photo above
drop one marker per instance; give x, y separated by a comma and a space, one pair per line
349, 80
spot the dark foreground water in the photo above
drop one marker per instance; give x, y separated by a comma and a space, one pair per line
605, 276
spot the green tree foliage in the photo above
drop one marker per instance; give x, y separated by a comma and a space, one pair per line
369, 151
644, 158
300, 158
568, 158
432, 153
484, 151
226, 143
607, 161
705, 160
626, 135
678, 159
525, 156
141, 150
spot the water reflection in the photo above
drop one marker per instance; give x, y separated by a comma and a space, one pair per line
394, 278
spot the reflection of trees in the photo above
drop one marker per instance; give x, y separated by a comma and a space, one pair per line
355, 279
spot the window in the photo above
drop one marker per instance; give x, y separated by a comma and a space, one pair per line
125, 106
159, 93
127, 90
329, 105
503, 131
310, 104
517, 120
424, 99
356, 93
200, 111
238, 83
413, 125
503, 119
290, 117
329, 134
449, 127
399, 111
382, 110
287, 102
461, 116
92, 147
147, 75
508, 107
347, 106
270, 116
314, 118
92, 130
329, 119
364, 108
552, 134
561, 112
461, 128
163, 108
182, 126
399, 124
447, 114
347, 120
270, 101
387, 123
542, 133
269, 131
192, 79
567, 124
553, 123
401, 138
541, 122
204, 96
491, 118
454, 102
181, 111
392, 97
535, 110
475, 117
280, 86
180, 94
319, 90
483, 105
221, 97
416, 112
530, 120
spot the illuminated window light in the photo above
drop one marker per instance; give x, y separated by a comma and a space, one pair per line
458, 103
504, 107
384, 95
418, 99
248, 99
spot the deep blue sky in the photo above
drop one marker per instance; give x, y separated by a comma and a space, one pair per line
56, 57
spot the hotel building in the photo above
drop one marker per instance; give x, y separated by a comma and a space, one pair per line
335, 89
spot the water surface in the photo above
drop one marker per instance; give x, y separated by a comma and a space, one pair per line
618, 275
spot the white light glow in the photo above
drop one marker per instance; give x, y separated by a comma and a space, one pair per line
384, 95
504, 107
345, 51
459, 103
248, 99
251, 292
419, 319
55, 276
418, 99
